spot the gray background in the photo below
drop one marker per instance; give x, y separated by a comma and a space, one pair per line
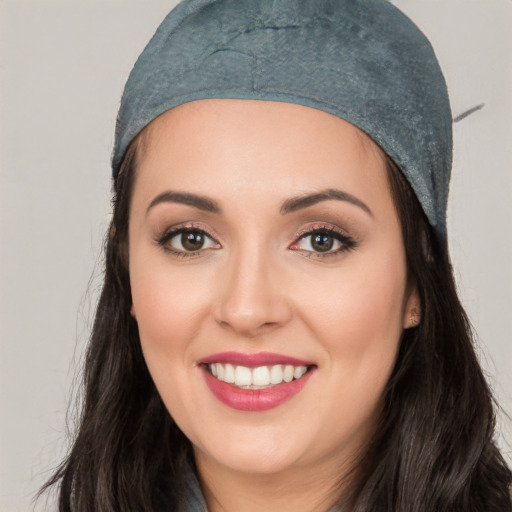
62, 68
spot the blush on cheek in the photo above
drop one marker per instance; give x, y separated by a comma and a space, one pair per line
358, 319
166, 306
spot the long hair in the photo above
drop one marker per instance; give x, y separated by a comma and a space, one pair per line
125, 440
434, 451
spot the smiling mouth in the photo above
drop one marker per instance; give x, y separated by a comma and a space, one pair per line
260, 377
255, 382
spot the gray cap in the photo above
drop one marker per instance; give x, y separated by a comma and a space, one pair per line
361, 60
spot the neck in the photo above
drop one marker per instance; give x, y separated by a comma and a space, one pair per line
305, 488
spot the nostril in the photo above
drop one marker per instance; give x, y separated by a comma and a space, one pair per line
247, 328
251, 303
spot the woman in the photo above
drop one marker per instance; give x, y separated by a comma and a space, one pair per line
279, 327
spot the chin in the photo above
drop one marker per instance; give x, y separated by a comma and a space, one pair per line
253, 454
254, 462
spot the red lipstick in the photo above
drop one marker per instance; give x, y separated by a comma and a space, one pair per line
254, 360
259, 399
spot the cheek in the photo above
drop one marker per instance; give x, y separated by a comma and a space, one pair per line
169, 306
368, 313
359, 319
363, 302
167, 303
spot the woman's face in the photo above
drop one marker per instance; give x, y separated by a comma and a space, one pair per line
264, 243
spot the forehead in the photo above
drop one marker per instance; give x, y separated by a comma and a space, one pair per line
227, 147
242, 113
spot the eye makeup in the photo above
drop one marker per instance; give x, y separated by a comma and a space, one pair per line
186, 240
319, 241
322, 241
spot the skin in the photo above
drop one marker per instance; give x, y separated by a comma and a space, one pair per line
257, 286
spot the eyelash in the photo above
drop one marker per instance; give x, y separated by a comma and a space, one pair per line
163, 240
346, 242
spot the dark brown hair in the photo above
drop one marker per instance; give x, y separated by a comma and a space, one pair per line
434, 451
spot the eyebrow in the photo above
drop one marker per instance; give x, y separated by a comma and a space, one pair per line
290, 205
304, 201
200, 202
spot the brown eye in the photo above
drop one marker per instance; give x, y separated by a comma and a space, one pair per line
188, 241
319, 242
322, 242
192, 240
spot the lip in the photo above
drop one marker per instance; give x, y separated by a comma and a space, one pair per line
254, 400
254, 360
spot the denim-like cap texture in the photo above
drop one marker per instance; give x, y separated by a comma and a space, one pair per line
361, 60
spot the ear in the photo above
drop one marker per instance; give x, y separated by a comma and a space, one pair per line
412, 311
132, 312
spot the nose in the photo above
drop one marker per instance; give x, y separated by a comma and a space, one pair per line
251, 300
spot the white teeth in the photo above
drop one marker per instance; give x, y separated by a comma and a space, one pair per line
229, 373
243, 376
299, 371
220, 371
276, 374
288, 373
260, 377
